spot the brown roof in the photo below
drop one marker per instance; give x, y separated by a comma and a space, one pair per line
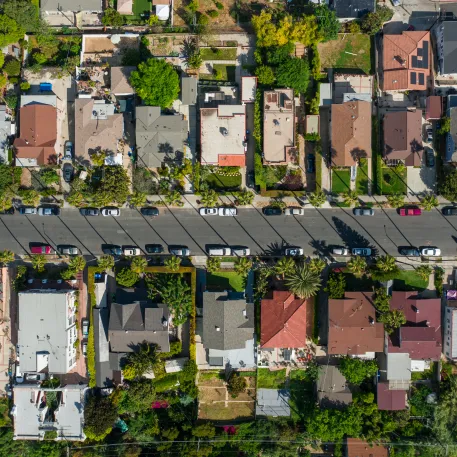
120, 80
390, 400
282, 320
434, 107
38, 134
418, 311
402, 137
351, 132
403, 58
360, 448
353, 329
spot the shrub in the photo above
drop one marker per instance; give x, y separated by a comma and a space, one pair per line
12, 67
336, 285
126, 277
212, 13
236, 385
25, 86
219, 5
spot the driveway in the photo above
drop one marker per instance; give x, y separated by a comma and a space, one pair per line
421, 180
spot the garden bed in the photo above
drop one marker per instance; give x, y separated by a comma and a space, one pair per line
341, 180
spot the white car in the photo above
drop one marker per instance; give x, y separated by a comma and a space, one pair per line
131, 250
240, 251
293, 251
340, 251
431, 252
294, 212
228, 211
219, 251
111, 211
68, 154
208, 211
180, 251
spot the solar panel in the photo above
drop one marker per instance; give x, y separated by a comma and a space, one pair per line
421, 79
415, 62
425, 55
419, 52
413, 77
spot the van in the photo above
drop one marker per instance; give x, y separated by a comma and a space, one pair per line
219, 251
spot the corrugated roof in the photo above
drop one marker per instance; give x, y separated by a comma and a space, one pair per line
390, 400
272, 402
360, 448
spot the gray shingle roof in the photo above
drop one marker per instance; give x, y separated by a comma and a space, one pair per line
332, 391
68, 5
449, 47
158, 136
353, 8
231, 315
272, 402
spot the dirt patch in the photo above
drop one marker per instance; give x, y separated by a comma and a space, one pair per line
218, 411
211, 394
249, 395
213, 382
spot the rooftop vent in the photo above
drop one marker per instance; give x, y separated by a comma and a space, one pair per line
224, 131
218, 329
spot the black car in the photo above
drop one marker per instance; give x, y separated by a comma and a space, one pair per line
89, 211
311, 164
449, 211
112, 250
410, 251
150, 211
429, 158
272, 211
8, 211
154, 248
251, 180
67, 172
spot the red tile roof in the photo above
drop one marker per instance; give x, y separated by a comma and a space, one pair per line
390, 400
282, 320
360, 448
353, 329
233, 160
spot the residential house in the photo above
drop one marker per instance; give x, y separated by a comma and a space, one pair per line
125, 7
159, 137
97, 128
390, 399
47, 331
352, 328
403, 138
278, 127
5, 134
434, 107
355, 447
451, 137
188, 90
272, 402
58, 13
222, 135
350, 133
355, 9
348, 87
106, 373
120, 80
406, 61
33, 417
332, 388
248, 89
450, 330
447, 49
228, 330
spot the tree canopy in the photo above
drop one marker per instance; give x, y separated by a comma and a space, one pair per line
10, 30
356, 370
25, 14
328, 24
293, 73
99, 417
156, 82
449, 185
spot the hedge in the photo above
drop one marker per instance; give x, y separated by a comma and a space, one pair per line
282, 193
91, 340
257, 135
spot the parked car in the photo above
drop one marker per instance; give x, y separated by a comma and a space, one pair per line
294, 212
84, 348
410, 251
89, 211
310, 164
67, 172
228, 211
410, 211
150, 211
208, 211
180, 251
293, 251
85, 327
340, 251
7, 211
396, 2
43, 249
240, 251
131, 250
449, 211
68, 154
272, 211
27, 210
219, 250
430, 251
429, 133
429, 157
112, 249
111, 211
363, 212
364, 252
250, 181
154, 248
67, 249
48, 211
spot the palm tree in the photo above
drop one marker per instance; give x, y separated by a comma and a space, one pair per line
191, 53
38, 262
106, 262
351, 197
303, 282
139, 265
209, 198
386, 264
424, 271
244, 198
138, 199
6, 257
284, 266
357, 266
173, 263
317, 199
213, 264
77, 263
396, 200
429, 202
173, 199
317, 264
243, 265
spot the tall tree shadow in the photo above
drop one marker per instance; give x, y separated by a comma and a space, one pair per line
350, 237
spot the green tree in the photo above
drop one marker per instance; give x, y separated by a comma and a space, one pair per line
100, 414
114, 187
174, 198
396, 200
49, 176
244, 198
205, 430
213, 264
191, 53
303, 282
236, 385
317, 264
386, 264
265, 75
372, 22
424, 271
209, 198
12, 67
11, 99
328, 25
317, 199
77, 263
127, 277
173, 263
142, 361
429, 201
357, 266
139, 395
285, 266
351, 197
112, 18
29, 196
98, 158
6, 257
139, 265
138, 199
243, 265
336, 285
156, 83
356, 370
449, 186
381, 300
39, 262
293, 73
3, 80
392, 320
10, 31
144, 426
445, 414
25, 13
106, 262
445, 126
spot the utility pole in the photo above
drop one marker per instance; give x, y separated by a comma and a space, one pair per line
68, 450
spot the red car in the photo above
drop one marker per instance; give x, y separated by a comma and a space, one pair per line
45, 249
410, 212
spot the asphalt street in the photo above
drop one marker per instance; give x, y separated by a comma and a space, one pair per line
314, 232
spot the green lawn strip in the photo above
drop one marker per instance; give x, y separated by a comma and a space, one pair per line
227, 73
168, 382
376, 160
225, 280
360, 45
353, 284
140, 7
274, 174
247, 374
407, 280
341, 180
426, 374
218, 53
210, 374
361, 181
301, 394
217, 181
267, 379
393, 182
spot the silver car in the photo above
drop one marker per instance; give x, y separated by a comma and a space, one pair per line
364, 252
293, 251
67, 250
131, 251
294, 212
208, 211
68, 155
241, 251
363, 212
180, 251
111, 211
228, 211
340, 251
431, 252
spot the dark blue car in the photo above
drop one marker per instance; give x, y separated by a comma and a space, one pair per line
310, 164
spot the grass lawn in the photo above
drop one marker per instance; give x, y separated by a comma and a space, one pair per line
349, 51
273, 175
361, 181
392, 181
301, 393
140, 7
354, 284
341, 180
227, 73
218, 411
208, 375
168, 382
409, 280
221, 182
267, 379
225, 280
218, 53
